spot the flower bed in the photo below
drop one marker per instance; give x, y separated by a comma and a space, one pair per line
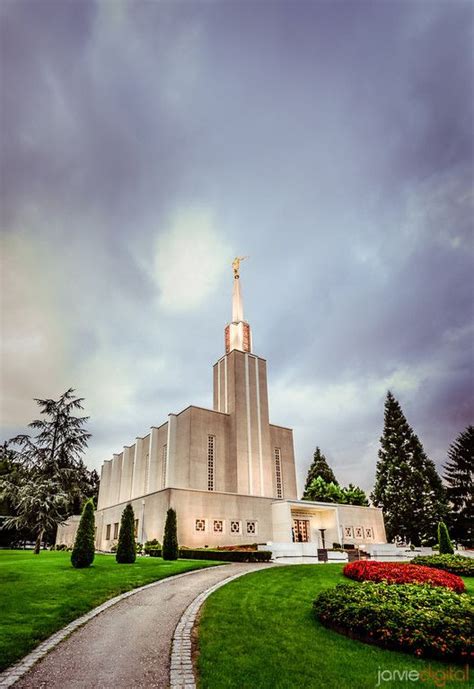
402, 573
414, 618
456, 564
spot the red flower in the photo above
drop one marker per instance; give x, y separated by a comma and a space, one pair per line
402, 573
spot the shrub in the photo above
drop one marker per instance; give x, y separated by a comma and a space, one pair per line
154, 551
445, 545
170, 538
84, 550
150, 545
402, 573
456, 564
336, 546
126, 550
226, 555
417, 619
61, 546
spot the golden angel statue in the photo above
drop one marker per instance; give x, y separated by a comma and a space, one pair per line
236, 264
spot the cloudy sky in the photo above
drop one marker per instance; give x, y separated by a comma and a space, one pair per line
145, 144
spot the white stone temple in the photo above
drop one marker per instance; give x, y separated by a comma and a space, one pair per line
228, 472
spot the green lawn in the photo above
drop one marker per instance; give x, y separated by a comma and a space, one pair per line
259, 631
39, 594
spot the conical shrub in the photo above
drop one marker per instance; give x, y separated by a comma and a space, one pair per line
445, 545
170, 538
83, 552
126, 549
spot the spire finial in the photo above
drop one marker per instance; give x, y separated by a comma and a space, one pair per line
237, 333
236, 265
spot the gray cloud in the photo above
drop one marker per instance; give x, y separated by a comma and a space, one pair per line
332, 143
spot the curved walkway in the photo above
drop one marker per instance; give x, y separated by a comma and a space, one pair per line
128, 645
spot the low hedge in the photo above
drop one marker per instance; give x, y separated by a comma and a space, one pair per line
419, 619
222, 555
402, 573
456, 564
226, 555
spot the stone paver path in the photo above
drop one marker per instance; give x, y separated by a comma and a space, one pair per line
128, 645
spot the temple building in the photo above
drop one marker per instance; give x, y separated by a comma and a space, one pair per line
227, 471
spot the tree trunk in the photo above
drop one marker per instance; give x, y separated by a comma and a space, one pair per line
39, 538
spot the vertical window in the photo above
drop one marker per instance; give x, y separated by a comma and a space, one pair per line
164, 455
278, 479
136, 528
116, 530
147, 472
211, 443
107, 532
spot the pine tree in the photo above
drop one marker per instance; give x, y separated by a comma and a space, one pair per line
407, 485
126, 548
170, 538
458, 474
84, 550
321, 468
445, 545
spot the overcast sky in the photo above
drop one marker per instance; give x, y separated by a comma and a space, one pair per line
145, 144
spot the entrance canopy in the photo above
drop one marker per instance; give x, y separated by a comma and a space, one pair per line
306, 522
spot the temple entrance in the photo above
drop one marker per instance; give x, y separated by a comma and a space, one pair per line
301, 530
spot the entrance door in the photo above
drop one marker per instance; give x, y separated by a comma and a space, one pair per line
301, 530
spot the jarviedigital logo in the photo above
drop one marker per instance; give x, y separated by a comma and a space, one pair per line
452, 673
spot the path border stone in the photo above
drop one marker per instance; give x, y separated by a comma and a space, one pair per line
181, 668
12, 674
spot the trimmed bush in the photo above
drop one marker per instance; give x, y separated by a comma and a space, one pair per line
154, 551
456, 564
149, 545
170, 538
445, 545
126, 550
84, 549
402, 573
418, 619
226, 555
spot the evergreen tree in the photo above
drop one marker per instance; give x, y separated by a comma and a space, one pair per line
353, 495
170, 538
55, 452
84, 550
321, 468
39, 507
458, 474
126, 548
407, 485
445, 545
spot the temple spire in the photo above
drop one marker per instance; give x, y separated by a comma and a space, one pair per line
237, 333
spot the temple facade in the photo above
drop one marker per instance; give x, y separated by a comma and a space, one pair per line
227, 471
